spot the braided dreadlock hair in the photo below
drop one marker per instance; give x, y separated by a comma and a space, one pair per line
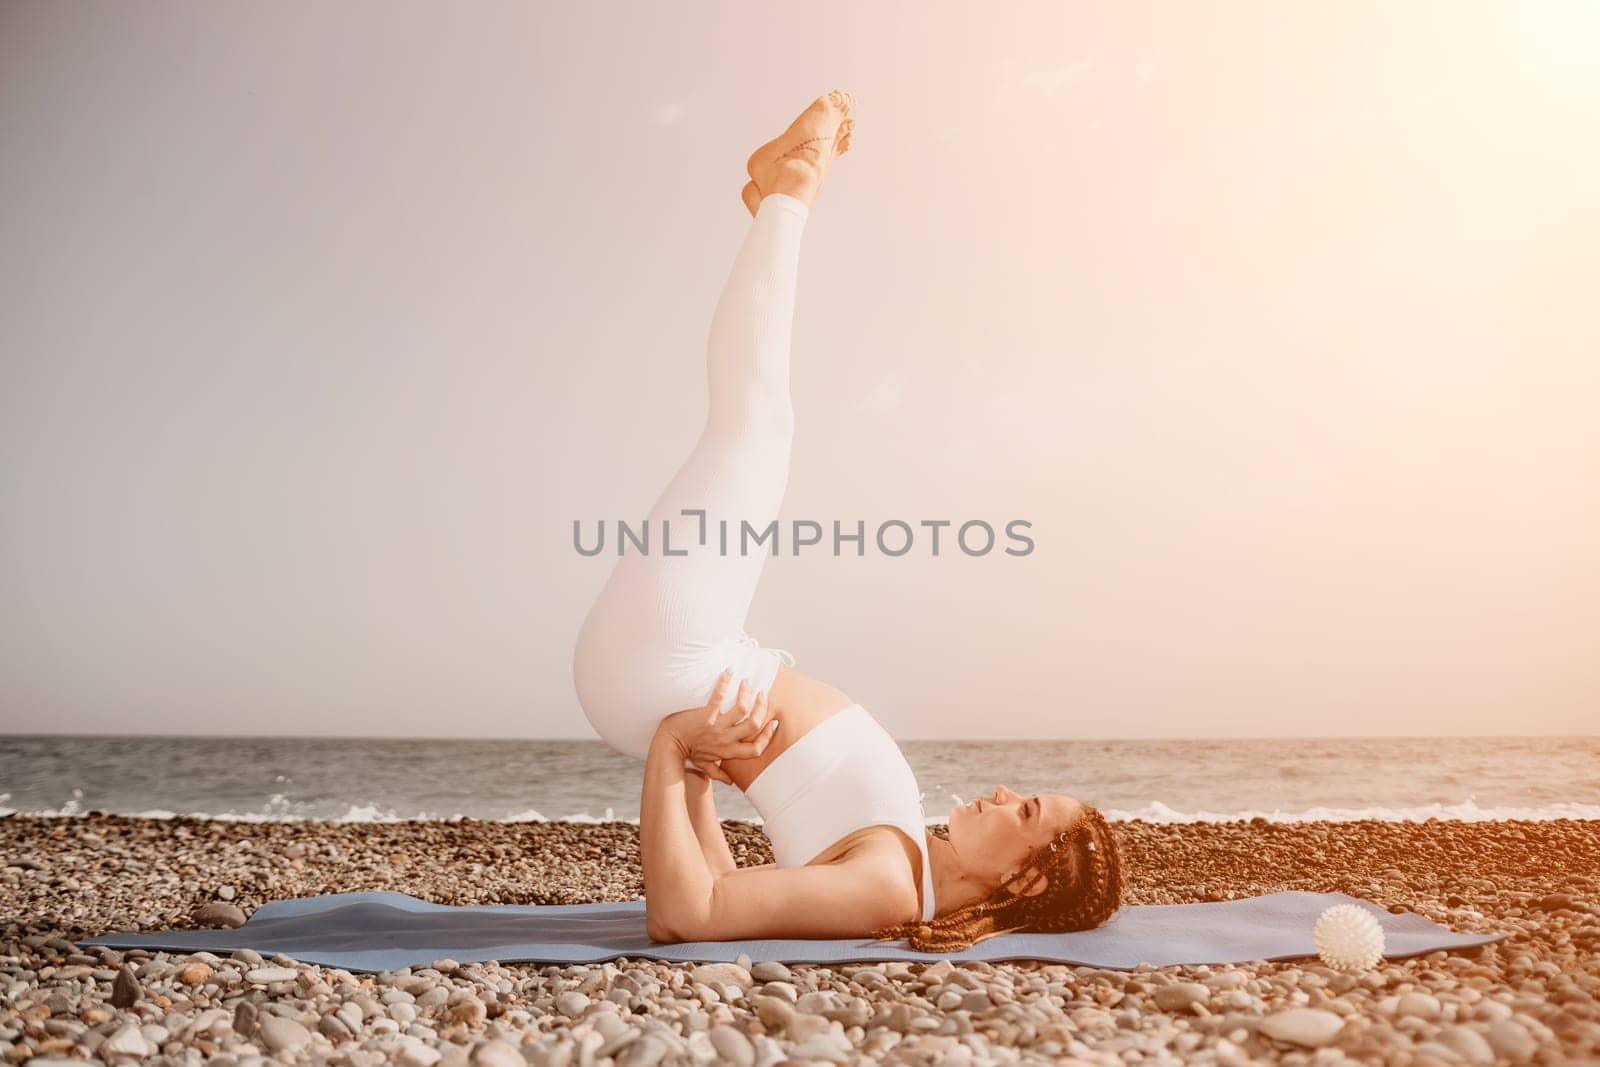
1082, 871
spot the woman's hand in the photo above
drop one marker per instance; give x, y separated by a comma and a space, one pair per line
708, 735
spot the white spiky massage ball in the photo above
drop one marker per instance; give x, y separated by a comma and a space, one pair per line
1348, 938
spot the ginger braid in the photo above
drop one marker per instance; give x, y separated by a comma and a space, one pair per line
1082, 869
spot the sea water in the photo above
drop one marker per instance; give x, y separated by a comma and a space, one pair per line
380, 779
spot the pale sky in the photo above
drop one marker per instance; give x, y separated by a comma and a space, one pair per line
320, 324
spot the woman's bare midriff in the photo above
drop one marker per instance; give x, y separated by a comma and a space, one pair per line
799, 702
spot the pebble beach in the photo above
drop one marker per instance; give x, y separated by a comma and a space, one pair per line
1532, 998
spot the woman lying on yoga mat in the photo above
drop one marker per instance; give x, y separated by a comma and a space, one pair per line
839, 802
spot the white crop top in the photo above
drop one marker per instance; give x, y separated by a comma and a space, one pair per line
843, 774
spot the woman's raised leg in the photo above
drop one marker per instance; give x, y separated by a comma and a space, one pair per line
739, 469
670, 619
654, 640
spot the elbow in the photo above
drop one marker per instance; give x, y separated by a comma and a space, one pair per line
658, 926
676, 924
659, 932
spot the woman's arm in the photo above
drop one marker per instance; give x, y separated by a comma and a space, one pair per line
685, 900
707, 827
677, 878
681, 844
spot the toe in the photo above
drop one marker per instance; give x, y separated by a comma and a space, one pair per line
751, 196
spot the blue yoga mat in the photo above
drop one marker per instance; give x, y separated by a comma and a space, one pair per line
376, 931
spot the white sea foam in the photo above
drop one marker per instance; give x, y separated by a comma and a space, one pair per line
1465, 811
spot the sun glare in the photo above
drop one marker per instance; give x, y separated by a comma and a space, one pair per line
1563, 38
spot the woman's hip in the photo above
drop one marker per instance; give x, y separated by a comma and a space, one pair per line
627, 683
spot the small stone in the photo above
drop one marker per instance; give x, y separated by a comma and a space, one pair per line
226, 892
1307, 1027
855, 1012
1419, 1006
648, 1051
282, 1035
829, 1045
557, 1052
195, 973
897, 1018
572, 1003
733, 1046
498, 1054
622, 1038
350, 1014
1468, 1044
803, 1025
781, 990
245, 1016
126, 1041
717, 975
1180, 996
1510, 1040
773, 1011
470, 1011
770, 971
217, 913
1433, 1054
417, 1054
816, 1002
125, 988
976, 1002
268, 975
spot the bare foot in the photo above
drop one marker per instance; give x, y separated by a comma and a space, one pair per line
796, 161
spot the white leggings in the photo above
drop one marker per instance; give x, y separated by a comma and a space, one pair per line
665, 626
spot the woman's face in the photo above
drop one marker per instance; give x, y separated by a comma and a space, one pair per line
994, 835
